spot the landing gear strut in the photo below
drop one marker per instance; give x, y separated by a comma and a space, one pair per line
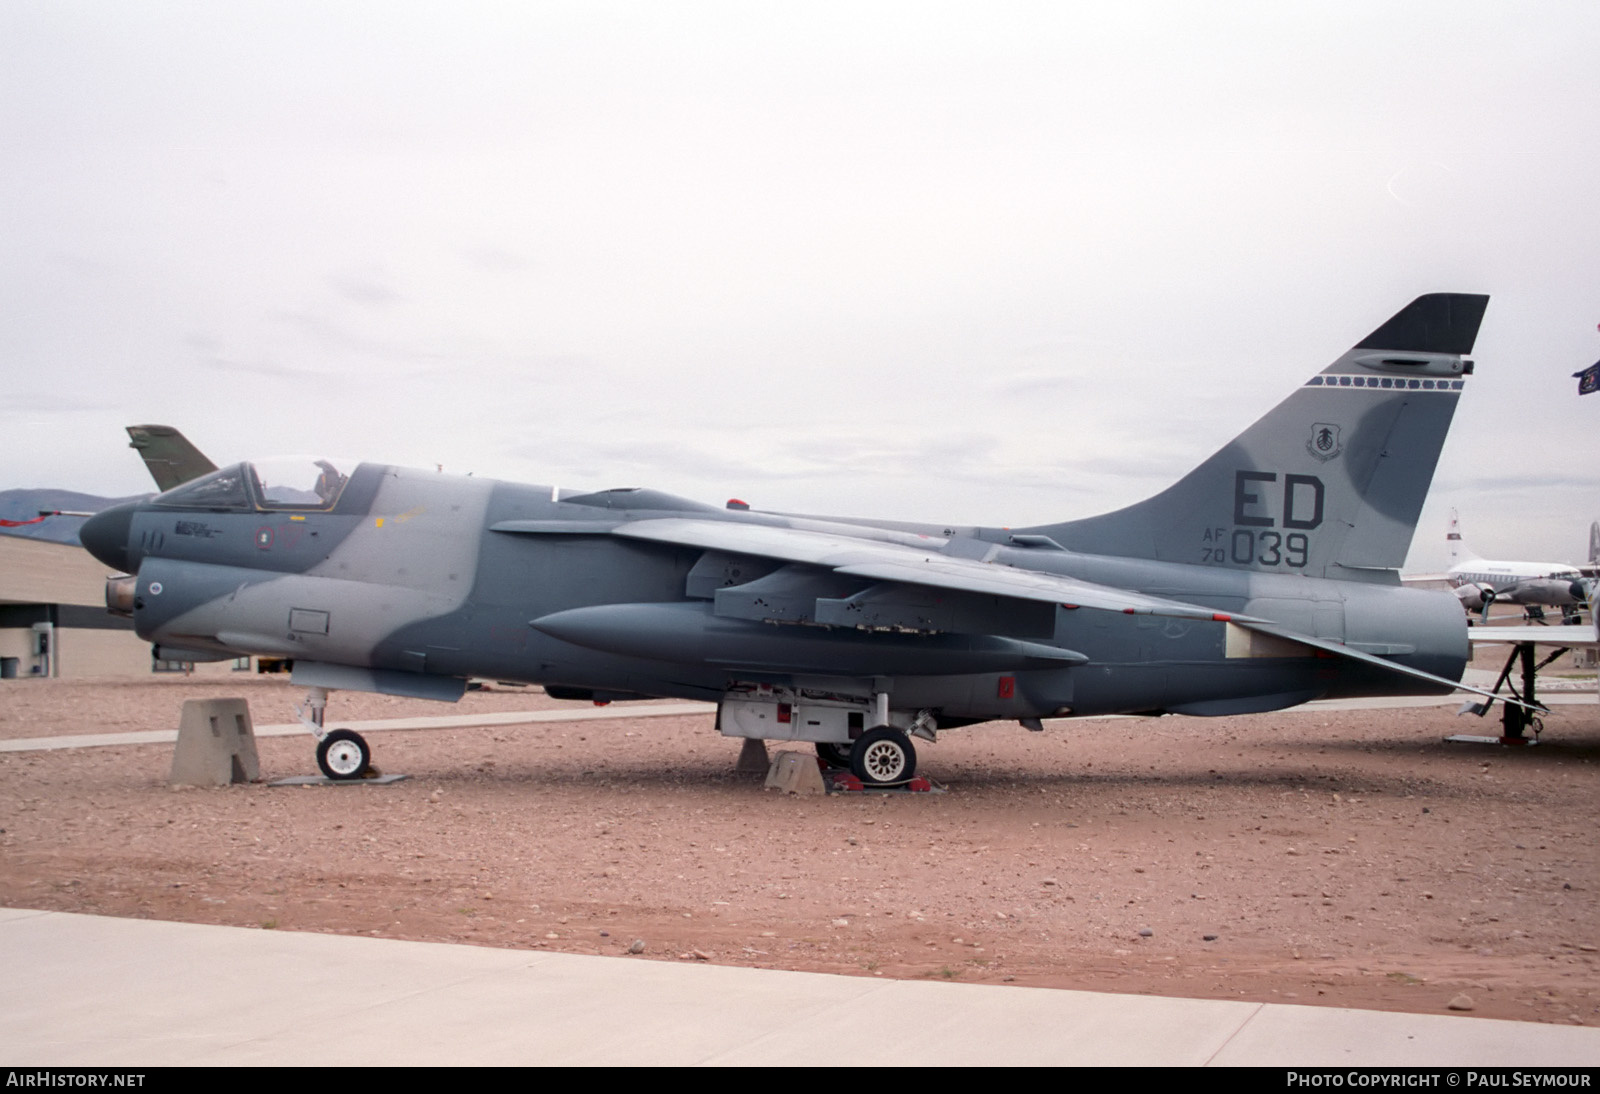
342, 754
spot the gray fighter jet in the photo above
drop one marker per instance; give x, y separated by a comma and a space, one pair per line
1266, 577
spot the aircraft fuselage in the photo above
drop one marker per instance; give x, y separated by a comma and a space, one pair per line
422, 576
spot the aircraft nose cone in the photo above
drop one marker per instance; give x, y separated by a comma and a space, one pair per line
105, 535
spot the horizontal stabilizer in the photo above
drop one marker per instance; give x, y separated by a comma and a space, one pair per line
1573, 636
1339, 649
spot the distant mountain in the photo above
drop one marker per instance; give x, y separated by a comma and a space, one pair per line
25, 505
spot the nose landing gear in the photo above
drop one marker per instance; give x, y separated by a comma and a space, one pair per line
342, 754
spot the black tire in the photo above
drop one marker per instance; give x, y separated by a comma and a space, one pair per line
834, 754
883, 757
343, 755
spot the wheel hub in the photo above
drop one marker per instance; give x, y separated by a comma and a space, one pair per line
885, 761
345, 758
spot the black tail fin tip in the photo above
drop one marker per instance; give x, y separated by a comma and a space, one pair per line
1441, 322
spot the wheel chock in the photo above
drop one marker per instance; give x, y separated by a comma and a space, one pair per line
843, 782
753, 757
795, 773
216, 744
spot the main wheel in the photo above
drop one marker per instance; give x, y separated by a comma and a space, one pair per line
883, 757
834, 754
343, 755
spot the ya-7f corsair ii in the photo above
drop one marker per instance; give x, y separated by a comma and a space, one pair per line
1266, 577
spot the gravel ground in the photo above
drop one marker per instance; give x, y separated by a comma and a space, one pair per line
1347, 858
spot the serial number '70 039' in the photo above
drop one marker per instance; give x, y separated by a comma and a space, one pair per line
1242, 547
1261, 505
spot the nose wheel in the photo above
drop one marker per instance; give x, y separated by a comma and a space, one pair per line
343, 755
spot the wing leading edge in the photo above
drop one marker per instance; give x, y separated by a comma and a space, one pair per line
929, 567
905, 564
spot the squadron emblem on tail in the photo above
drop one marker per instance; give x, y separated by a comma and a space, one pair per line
1324, 444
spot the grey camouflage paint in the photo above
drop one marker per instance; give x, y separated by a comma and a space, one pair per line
416, 580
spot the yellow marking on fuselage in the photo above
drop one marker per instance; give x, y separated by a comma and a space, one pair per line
378, 523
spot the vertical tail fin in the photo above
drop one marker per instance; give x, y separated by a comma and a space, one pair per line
1331, 481
170, 457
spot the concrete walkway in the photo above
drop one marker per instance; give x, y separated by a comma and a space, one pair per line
676, 709
93, 991
443, 721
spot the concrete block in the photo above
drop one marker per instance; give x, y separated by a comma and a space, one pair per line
796, 773
753, 757
216, 744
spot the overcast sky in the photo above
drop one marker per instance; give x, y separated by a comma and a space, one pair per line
986, 263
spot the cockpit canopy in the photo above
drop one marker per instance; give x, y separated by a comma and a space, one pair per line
302, 483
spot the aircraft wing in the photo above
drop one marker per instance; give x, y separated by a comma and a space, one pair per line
880, 561
929, 567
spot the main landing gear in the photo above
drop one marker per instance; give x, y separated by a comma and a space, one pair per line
342, 754
852, 731
834, 755
881, 757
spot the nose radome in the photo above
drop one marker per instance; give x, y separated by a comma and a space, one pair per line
105, 535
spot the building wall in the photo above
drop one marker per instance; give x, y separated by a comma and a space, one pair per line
101, 653
36, 571
44, 582
92, 652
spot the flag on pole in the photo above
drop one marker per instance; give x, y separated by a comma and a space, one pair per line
1588, 379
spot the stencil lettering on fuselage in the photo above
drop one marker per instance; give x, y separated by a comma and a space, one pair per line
1274, 516
379, 579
